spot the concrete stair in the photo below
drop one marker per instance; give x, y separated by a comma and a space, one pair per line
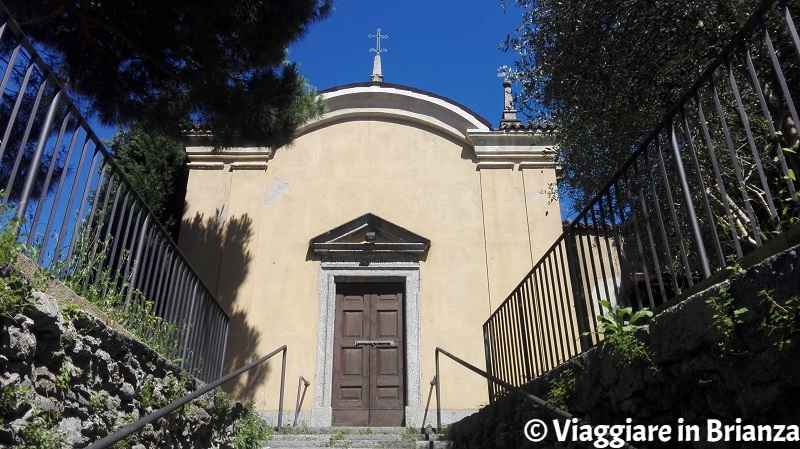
357, 438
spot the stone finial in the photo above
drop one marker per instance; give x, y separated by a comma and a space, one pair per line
377, 73
509, 113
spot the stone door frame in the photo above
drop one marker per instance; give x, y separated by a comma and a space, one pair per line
359, 271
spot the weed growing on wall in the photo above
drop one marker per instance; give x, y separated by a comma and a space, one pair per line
561, 389
783, 320
618, 326
251, 431
40, 433
86, 276
14, 288
727, 315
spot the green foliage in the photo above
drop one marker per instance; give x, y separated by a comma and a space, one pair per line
727, 316
98, 399
41, 433
618, 320
339, 434
618, 326
221, 63
222, 403
14, 288
783, 320
65, 375
145, 393
562, 389
251, 431
606, 71
154, 165
12, 396
366, 431
86, 276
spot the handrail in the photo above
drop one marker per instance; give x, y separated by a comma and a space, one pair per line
126, 431
710, 184
536, 400
300, 382
72, 193
427, 405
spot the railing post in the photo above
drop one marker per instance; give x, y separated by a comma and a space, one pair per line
283, 382
300, 383
487, 352
579, 299
438, 395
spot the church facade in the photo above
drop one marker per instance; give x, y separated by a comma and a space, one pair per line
392, 225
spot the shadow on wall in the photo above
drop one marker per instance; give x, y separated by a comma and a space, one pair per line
217, 247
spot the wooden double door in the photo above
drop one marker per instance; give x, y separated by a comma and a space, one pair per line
368, 359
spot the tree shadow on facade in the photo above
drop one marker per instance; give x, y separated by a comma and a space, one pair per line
217, 248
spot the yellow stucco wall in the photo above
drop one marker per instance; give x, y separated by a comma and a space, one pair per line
247, 229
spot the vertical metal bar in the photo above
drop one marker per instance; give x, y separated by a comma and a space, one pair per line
523, 328
283, 383
45, 184
488, 356
639, 246
577, 289
684, 254
54, 210
15, 112
438, 394
776, 66
753, 149
735, 162
564, 287
687, 197
82, 204
138, 260
650, 238
718, 175
660, 219
600, 256
37, 157
23, 203
701, 182
607, 240
558, 306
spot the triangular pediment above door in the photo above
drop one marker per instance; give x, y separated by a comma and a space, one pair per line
369, 234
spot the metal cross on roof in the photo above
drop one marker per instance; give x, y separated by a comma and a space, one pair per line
378, 38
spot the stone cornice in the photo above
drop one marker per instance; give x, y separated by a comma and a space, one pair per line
529, 146
247, 158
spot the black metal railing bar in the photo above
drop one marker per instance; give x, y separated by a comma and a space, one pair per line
713, 182
540, 403
81, 215
130, 429
301, 383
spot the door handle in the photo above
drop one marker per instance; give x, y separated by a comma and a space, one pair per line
376, 343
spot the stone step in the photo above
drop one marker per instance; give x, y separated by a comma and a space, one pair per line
357, 438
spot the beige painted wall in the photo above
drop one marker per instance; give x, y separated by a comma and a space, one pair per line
247, 229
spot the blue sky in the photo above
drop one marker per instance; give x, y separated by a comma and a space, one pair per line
450, 48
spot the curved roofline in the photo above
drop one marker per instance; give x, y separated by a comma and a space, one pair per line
381, 100
409, 89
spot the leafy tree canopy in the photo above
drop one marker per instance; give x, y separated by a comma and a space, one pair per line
155, 166
606, 71
161, 63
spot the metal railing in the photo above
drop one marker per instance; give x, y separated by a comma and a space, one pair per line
301, 383
81, 217
540, 403
130, 429
714, 181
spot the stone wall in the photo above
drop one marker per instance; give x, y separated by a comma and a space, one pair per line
702, 367
66, 382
